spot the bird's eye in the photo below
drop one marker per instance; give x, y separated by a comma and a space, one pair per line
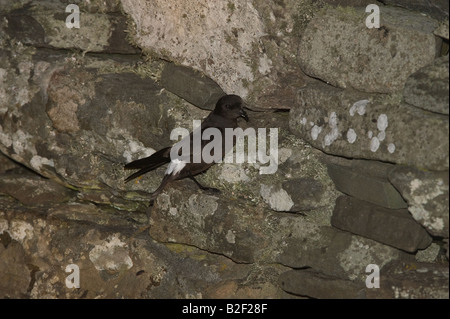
227, 106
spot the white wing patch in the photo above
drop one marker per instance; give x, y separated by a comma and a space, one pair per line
175, 167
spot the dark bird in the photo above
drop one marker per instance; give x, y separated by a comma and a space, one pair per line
228, 109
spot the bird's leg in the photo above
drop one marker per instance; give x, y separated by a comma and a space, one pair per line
204, 188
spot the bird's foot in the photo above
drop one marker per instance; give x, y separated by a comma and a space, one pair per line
211, 190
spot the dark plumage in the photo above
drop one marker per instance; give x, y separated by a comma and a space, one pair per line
228, 109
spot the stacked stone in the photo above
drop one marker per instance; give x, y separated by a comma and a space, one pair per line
380, 110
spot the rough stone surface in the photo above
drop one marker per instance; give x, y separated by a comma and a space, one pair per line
427, 197
362, 125
31, 189
380, 60
400, 280
391, 227
336, 253
316, 285
428, 87
366, 180
115, 257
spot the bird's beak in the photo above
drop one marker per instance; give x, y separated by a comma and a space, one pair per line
244, 115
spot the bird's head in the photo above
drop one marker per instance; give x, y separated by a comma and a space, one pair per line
231, 107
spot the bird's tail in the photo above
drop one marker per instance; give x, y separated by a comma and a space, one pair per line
148, 164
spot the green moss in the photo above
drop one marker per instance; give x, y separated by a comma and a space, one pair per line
231, 6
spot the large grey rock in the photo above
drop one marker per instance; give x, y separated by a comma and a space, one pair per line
388, 226
229, 30
366, 180
427, 197
337, 253
428, 87
339, 49
370, 126
412, 280
316, 285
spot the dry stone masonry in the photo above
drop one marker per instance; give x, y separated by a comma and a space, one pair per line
363, 155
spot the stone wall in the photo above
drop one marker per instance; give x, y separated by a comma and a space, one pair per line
362, 178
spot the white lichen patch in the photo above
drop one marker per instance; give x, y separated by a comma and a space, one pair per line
233, 173
111, 255
265, 65
422, 193
283, 154
374, 144
315, 131
278, 200
358, 107
334, 131
20, 230
37, 161
382, 122
230, 237
351, 136
21, 143
135, 149
361, 253
200, 207
391, 148
5, 139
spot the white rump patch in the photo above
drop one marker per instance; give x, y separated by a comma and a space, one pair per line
175, 167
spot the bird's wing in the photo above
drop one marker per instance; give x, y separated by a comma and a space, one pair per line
148, 164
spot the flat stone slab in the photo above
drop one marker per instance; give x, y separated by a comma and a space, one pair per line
192, 86
366, 180
391, 227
